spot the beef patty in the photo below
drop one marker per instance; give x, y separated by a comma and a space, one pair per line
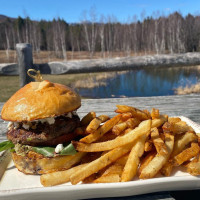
44, 133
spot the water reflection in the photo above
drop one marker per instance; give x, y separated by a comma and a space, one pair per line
146, 82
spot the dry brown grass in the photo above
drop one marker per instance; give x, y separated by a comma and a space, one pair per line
49, 56
188, 89
95, 81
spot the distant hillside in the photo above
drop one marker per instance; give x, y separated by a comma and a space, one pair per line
4, 17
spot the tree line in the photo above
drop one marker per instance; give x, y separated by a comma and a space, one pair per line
156, 34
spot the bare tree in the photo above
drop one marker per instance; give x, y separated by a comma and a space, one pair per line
101, 32
7, 43
135, 34
93, 30
85, 23
62, 33
154, 34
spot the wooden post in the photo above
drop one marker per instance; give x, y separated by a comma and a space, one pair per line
25, 62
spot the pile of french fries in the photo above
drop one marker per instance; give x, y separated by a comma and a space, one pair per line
133, 144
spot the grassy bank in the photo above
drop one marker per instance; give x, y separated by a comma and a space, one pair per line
10, 84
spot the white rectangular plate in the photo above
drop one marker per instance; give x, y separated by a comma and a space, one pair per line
15, 184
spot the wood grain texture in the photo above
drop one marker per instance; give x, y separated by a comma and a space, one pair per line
185, 105
25, 62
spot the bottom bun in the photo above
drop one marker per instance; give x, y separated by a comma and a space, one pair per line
34, 163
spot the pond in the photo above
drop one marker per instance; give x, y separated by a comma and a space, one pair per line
145, 82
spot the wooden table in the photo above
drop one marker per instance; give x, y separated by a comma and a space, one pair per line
185, 105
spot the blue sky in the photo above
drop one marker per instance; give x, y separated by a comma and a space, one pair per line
71, 10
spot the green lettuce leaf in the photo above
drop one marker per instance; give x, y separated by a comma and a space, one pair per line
6, 145
68, 150
46, 151
49, 151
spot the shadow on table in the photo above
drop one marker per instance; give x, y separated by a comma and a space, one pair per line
185, 195
175, 195
151, 196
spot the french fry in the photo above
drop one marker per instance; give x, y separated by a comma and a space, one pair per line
132, 123
126, 131
159, 122
122, 161
193, 168
179, 144
167, 127
198, 135
146, 160
181, 123
143, 128
194, 160
181, 141
59, 163
110, 178
95, 123
177, 128
134, 111
148, 113
158, 142
155, 113
113, 169
159, 160
118, 128
126, 116
103, 118
81, 131
148, 146
111, 175
114, 151
132, 163
167, 169
174, 120
165, 116
162, 136
107, 136
59, 177
100, 163
88, 118
186, 155
107, 126
89, 157
91, 178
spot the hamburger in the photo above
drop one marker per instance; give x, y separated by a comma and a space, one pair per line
42, 119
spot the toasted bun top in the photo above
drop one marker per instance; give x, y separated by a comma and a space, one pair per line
38, 100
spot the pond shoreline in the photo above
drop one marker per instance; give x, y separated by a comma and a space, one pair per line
109, 64
143, 82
